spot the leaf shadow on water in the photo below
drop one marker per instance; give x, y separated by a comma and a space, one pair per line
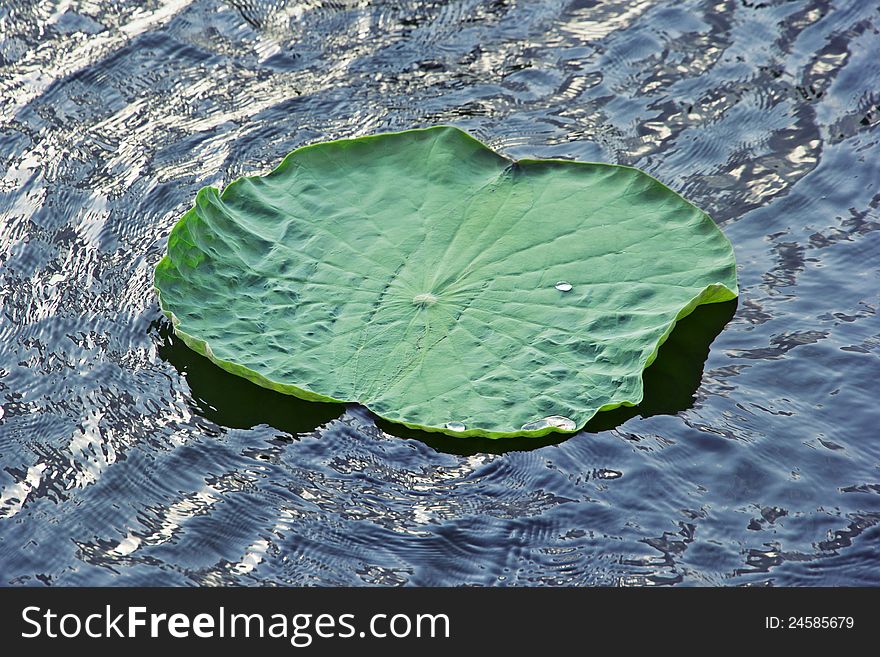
230, 401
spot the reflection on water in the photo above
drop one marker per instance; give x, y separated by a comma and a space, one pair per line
125, 459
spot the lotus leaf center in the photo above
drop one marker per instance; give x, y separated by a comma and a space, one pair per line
424, 299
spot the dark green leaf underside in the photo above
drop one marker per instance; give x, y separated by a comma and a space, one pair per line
416, 272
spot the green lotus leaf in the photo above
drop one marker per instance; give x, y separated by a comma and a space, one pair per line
440, 284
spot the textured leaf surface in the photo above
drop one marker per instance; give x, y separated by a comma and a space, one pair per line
416, 273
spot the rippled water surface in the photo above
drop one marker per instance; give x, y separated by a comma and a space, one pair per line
126, 459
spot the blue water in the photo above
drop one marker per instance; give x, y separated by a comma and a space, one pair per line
125, 459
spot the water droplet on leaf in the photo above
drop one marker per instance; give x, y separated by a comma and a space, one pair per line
455, 426
557, 421
561, 422
563, 286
